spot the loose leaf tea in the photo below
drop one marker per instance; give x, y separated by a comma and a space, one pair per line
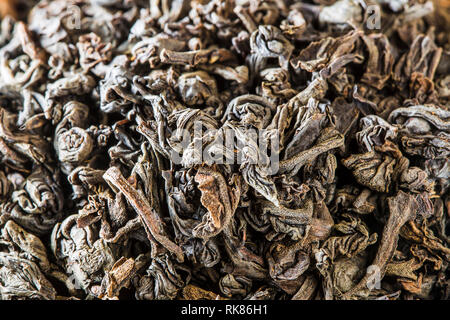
224, 149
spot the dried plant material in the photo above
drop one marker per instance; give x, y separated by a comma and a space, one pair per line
118, 277
153, 223
218, 199
7, 8
191, 292
224, 149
